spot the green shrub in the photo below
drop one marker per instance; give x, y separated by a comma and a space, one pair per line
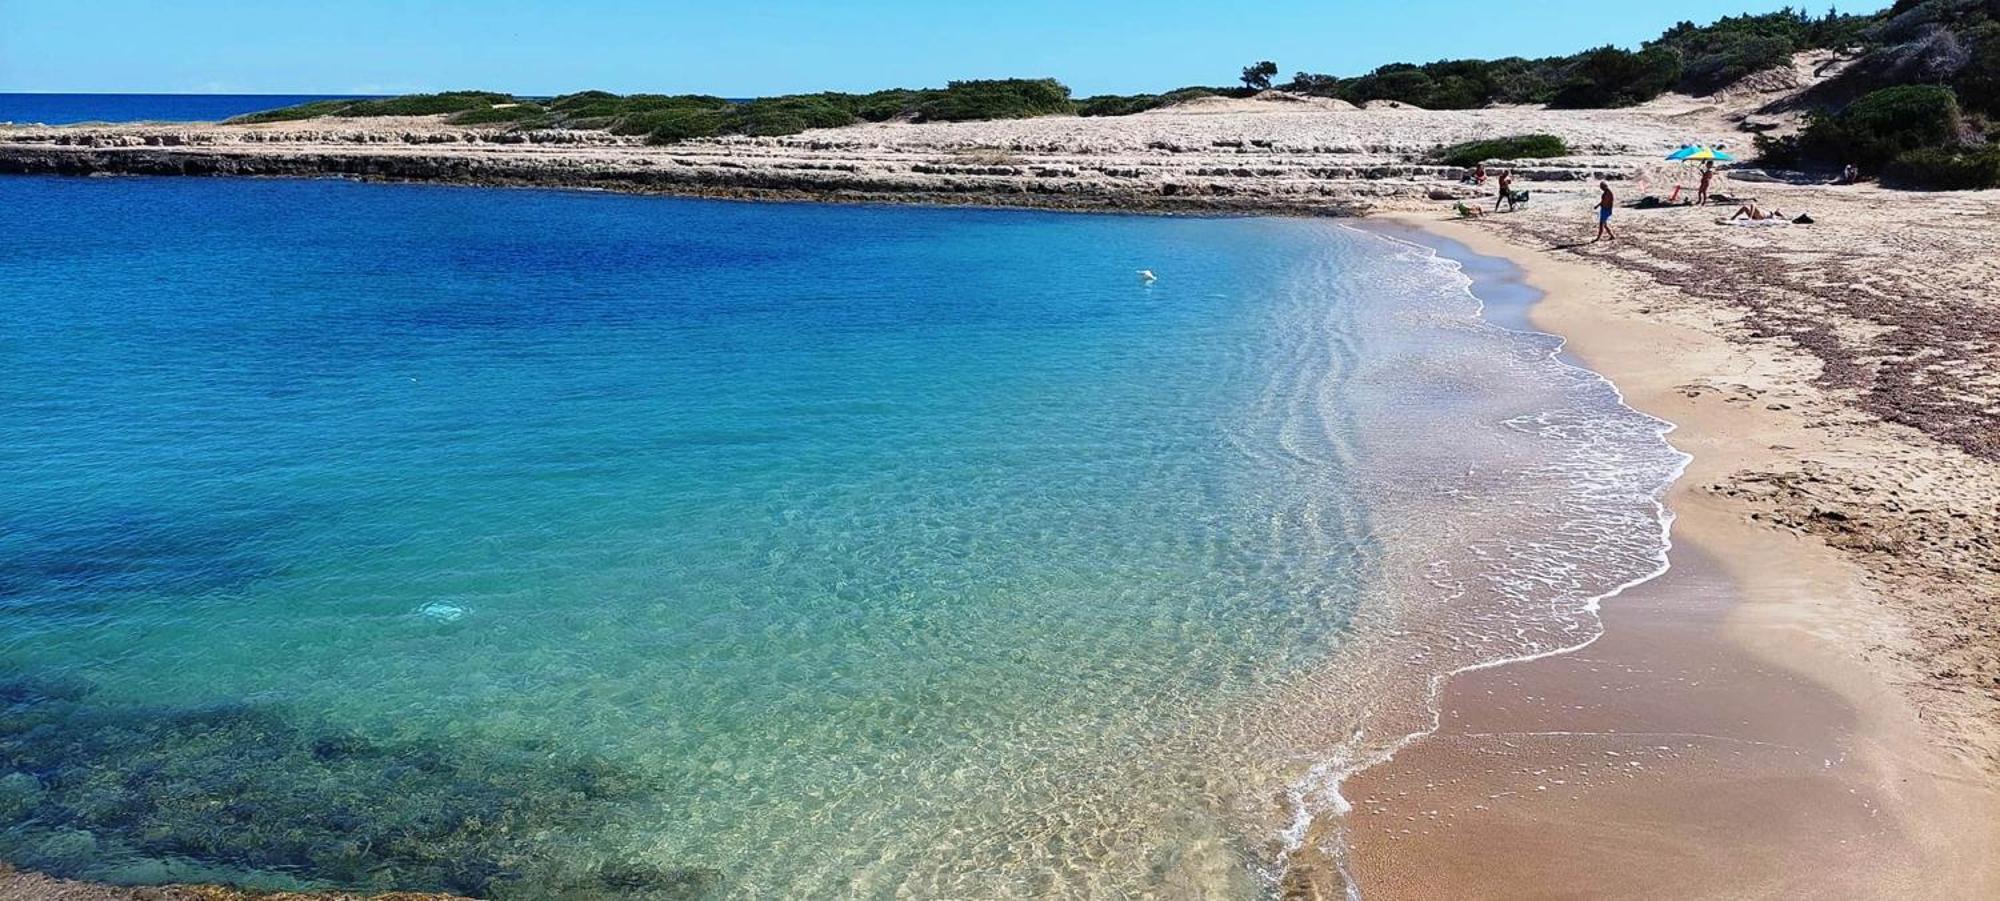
1517, 80
407, 105
425, 104
570, 103
1885, 124
1014, 98
312, 110
1729, 61
1904, 117
1949, 42
1978, 83
791, 115
1945, 169
496, 115
674, 126
882, 106
1780, 152
1871, 132
1128, 104
1689, 57
1610, 77
1313, 84
1518, 147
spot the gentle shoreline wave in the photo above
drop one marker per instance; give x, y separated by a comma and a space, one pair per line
1318, 795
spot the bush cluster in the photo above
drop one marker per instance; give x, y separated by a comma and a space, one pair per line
406, 105
496, 115
1913, 105
1954, 168
1872, 131
1714, 56
1517, 147
1610, 77
667, 118
1687, 57
1013, 98
1128, 104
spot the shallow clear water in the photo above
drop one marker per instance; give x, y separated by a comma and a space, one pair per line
549, 544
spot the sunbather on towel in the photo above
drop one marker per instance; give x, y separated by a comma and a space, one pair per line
1755, 213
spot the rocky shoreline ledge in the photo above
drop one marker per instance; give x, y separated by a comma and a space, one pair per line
1225, 157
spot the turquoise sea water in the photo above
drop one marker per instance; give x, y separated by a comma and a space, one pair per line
546, 544
64, 109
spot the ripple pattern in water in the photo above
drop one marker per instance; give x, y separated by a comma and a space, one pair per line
539, 544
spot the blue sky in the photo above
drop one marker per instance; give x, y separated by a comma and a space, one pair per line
753, 47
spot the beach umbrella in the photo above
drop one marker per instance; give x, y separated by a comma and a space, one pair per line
1700, 152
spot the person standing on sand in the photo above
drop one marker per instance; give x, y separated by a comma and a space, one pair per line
1707, 175
1605, 203
1506, 188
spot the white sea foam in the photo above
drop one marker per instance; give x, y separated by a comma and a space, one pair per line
1608, 510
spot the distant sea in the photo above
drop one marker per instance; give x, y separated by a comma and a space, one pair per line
63, 109
546, 544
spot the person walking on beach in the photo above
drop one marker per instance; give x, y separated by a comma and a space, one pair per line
1506, 188
1605, 203
1707, 175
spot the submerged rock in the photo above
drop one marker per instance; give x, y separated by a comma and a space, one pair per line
246, 787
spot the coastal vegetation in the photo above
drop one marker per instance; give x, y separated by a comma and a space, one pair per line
1916, 106
1128, 104
1694, 59
1517, 147
1954, 168
1945, 52
1874, 130
667, 118
1686, 57
406, 105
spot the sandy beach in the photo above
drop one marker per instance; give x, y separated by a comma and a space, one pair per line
1739, 730
1806, 705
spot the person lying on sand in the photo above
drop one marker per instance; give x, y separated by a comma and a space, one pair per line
1467, 212
1755, 213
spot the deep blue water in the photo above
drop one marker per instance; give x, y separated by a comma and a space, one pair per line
539, 544
62, 109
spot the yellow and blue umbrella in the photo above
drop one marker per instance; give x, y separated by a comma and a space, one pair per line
1700, 152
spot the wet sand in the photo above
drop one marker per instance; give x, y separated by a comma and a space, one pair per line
1732, 734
